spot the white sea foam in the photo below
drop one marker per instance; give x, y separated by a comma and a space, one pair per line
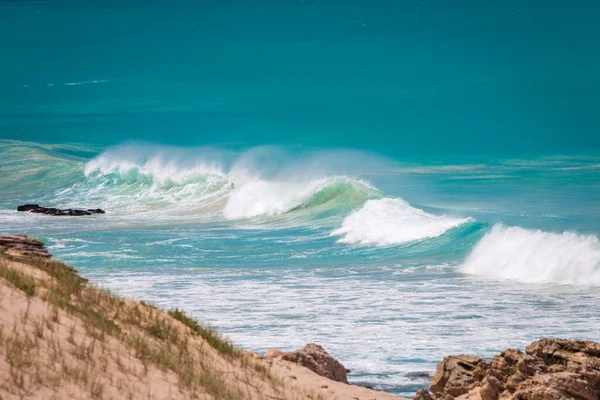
384, 326
534, 256
389, 221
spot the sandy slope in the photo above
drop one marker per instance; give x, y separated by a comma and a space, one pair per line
61, 338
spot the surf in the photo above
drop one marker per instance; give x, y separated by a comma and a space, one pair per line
141, 179
393, 221
272, 198
535, 256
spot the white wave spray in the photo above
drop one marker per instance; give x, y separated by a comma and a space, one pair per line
534, 256
161, 169
389, 221
258, 197
260, 182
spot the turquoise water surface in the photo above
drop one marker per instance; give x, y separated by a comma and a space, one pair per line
396, 181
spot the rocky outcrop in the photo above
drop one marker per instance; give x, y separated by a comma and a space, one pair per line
454, 375
35, 208
550, 369
20, 245
315, 358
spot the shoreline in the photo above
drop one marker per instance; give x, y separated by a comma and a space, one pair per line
54, 313
62, 337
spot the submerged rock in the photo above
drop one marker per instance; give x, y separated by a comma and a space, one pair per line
315, 358
35, 208
20, 245
550, 369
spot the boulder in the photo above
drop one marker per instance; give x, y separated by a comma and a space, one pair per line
315, 358
454, 375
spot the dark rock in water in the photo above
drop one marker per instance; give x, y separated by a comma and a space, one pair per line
20, 245
43, 210
78, 212
27, 207
35, 208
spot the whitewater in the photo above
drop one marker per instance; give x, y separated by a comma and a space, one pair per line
371, 257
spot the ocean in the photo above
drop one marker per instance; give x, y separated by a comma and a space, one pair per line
397, 181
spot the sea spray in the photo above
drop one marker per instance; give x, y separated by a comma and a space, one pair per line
534, 256
161, 166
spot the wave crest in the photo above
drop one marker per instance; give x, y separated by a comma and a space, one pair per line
534, 256
390, 221
259, 197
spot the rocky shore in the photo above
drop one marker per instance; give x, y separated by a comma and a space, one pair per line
62, 338
20, 245
549, 369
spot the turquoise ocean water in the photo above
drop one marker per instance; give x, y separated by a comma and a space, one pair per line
395, 180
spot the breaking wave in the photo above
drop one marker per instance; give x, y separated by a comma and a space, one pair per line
149, 182
142, 185
388, 221
535, 256
168, 182
269, 198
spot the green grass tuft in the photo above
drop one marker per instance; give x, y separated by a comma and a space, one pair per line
19, 279
216, 386
211, 336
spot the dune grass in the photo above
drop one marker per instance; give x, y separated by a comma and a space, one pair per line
21, 281
155, 337
211, 336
